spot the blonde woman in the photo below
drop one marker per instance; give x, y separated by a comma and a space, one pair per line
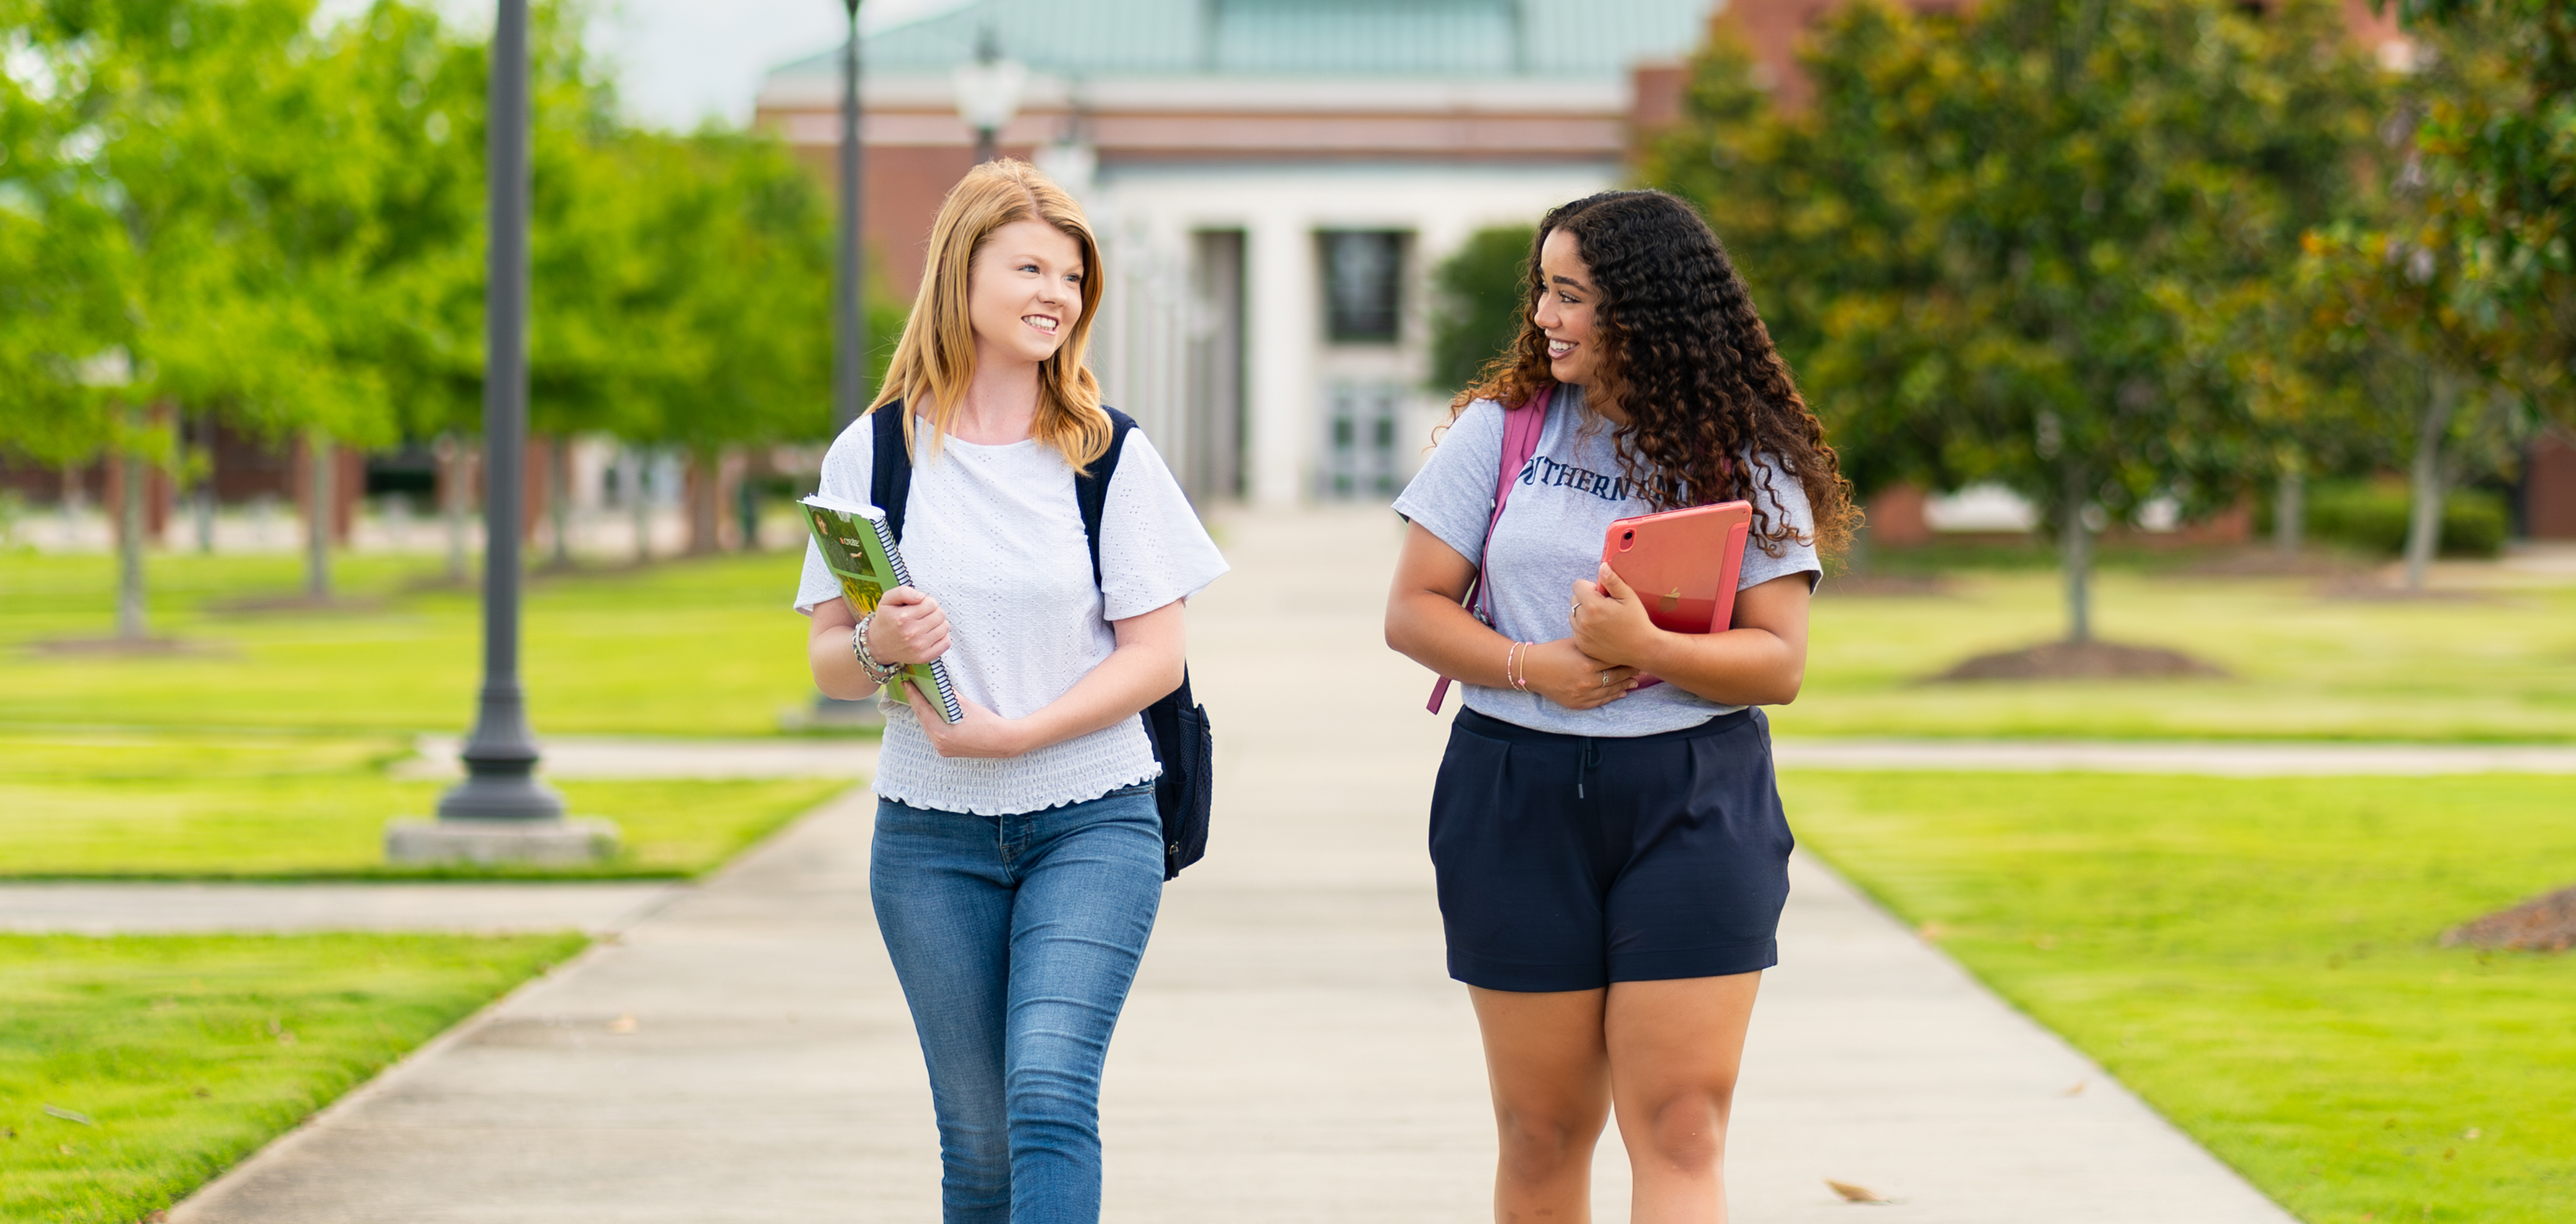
1018, 857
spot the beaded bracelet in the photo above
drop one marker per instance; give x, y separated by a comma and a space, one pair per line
1516, 666
878, 673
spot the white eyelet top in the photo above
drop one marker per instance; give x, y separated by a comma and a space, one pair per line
993, 533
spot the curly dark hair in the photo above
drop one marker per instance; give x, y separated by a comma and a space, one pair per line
1686, 358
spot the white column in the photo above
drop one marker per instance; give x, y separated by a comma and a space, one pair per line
1279, 358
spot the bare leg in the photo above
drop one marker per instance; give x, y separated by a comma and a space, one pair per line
1674, 1047
1550, 1075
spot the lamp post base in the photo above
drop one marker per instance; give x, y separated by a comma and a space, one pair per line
559, 842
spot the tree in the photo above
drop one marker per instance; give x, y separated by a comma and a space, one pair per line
2467, 272
1476, 303
1986, 244
245, 249
2496, 175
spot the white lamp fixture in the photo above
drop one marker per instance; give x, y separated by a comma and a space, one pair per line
988, 93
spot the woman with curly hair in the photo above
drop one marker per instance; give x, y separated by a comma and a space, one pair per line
1612, 857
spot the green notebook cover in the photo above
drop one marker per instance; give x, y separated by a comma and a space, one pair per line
860, 551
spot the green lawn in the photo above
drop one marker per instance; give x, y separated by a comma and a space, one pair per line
704, 647
185, 1054
708, 648
2501, 667
2258, 960
139, 805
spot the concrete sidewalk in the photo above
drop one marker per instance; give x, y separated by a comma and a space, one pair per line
1292, 1052
116, 908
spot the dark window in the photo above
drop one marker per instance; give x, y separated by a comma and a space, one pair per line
1363, 285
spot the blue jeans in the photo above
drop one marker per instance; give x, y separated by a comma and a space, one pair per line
1016, 938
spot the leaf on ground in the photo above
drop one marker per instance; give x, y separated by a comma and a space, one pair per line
2077, 1090
69, 1115
1852, 1193
623, 1024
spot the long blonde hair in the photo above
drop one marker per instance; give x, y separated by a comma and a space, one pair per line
935, 361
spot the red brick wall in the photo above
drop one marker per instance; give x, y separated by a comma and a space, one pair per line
2549, 489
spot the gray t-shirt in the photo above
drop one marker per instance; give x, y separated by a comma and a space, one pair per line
1550, 535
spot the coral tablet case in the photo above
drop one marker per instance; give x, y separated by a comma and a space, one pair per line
1683, 563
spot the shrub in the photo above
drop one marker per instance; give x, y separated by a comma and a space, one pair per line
2371, 516
1476, 308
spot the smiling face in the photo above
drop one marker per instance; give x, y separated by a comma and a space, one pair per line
1025, 292
1566, 310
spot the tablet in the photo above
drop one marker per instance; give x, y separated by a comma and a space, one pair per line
1683, 563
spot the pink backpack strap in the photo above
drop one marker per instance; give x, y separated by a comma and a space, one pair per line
1522, 425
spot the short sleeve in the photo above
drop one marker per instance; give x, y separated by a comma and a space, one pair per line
1784, 502
1452, 497
848, 471
1153, 549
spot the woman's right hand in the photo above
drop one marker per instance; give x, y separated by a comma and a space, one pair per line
1570, 678
908, 628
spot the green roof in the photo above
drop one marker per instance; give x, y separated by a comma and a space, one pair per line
1412, 38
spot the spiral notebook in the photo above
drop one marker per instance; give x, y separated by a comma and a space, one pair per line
860, 551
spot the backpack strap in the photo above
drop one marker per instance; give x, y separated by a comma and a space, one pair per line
1522, 425
890, 483
1521, 428
1091, 488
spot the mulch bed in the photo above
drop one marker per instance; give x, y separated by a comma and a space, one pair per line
2266, 562
2371, 588
2542, 924
2081, 661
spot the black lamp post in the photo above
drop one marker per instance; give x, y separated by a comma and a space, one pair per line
849, 313
849, 336
501, 755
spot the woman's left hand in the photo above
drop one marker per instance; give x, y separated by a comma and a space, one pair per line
982, 733
1610, 621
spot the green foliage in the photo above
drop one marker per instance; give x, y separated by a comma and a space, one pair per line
281, 223
2256, 958
188, 1053
2371, 516
2483, 248
1989, 244
61, 271
1477, 294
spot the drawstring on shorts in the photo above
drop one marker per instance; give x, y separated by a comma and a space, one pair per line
1590, 760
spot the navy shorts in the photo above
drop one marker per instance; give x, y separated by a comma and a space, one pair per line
1568, 862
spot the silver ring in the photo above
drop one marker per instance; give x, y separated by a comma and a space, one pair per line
1605, 679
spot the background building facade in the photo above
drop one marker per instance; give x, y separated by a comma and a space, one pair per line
1272, 181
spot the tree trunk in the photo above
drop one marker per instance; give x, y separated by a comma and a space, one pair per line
746, 509
638, 503
2290, 510
2075, 557
129, 538
559, 500
454, 462
324, 499
706, 502
2424, 523
201, 494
